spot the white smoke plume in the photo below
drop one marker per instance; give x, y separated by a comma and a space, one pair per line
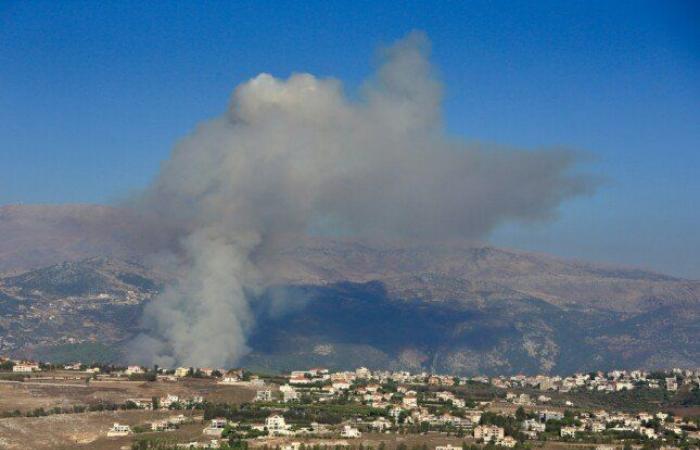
290, 155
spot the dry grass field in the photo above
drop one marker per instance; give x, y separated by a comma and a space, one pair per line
71, 430
89, 430
29, 395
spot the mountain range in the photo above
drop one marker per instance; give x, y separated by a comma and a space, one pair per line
75, 278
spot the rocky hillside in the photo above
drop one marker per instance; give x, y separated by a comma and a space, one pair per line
454, 307
468, 272
349, 324
93, 301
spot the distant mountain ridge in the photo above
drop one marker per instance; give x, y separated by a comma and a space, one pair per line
36, 236
455, 306
455, 270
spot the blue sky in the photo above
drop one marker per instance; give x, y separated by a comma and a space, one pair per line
94, 94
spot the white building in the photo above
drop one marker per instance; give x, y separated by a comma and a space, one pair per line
647, 432
380, 424
264, 395
182, 371
26, 367
119, 430
671, 384
597, 427
523, 399
206, 371
134, 370
624, 385
488, 433
162, 425
214, 443
350, 432
142, 403
289, 394
300, 379
507, 441
410, 399
551, 415
276, 425
169, 400
534, 425
341, 385
567, 432
474, 415
363, 373
216, 427
177, 420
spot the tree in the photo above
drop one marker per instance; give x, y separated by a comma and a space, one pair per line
520, 414
130, 405
238, 444
424, 427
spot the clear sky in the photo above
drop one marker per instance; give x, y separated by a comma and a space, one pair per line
94, 94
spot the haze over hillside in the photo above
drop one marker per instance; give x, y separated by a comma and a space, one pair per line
453, 306
40, 235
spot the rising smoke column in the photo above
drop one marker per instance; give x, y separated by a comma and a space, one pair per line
291, 154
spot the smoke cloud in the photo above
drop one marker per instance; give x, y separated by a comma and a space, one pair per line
296, 154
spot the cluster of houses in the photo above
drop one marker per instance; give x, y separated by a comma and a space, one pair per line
19, 365
649, 426
276, 426
407, 403
429, 401
169, 401
167, 424
613, 381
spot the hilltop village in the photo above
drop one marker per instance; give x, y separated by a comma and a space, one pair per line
216, 408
